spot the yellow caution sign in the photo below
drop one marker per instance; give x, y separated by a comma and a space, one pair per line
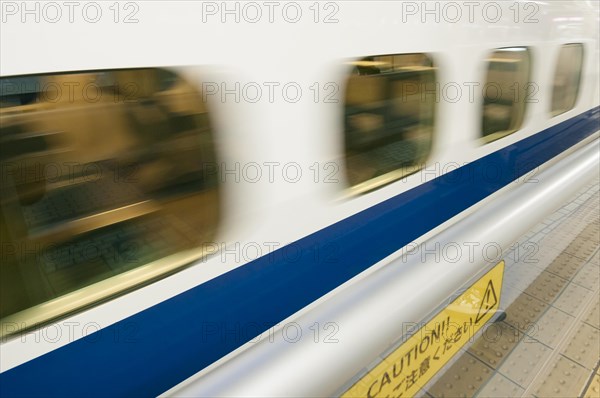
406, 370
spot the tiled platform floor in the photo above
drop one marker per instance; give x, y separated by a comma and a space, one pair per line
549, 343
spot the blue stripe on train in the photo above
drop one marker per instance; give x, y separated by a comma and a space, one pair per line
152, 351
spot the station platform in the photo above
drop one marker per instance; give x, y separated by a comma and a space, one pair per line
548, 345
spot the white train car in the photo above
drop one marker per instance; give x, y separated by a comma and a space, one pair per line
255, 199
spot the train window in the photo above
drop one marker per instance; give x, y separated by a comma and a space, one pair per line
567, 78
103, 187
505, 93
389, 115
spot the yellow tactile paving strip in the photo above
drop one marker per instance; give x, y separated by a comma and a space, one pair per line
593, 390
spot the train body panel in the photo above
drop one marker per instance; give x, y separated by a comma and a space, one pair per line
296, 126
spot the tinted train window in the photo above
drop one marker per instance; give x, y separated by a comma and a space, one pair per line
567, 78
103, 186
506, 92
389, 115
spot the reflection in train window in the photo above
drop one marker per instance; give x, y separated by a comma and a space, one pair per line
506, 92
103, 186
389, 113
567, 78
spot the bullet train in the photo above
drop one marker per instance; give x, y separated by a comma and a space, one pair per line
257, 198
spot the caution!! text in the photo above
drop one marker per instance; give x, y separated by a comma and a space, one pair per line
403, 372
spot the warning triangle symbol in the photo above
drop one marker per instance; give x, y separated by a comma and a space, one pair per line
489, 301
